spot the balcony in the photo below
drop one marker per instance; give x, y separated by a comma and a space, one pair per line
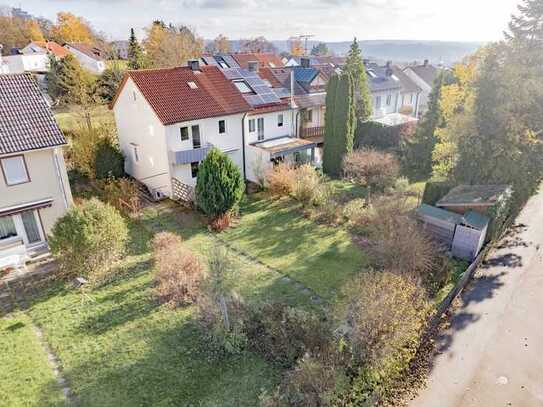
190, 156
315, 134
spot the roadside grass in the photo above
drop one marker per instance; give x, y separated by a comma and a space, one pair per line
69, 118
118, 347
321, 257
26, 379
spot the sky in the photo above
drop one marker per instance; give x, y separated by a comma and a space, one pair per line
327, 20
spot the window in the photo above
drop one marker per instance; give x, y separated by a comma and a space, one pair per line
378, 102
252, 126
309, 115
194, 169
389, 100
7, 228
134, 96
260, 124
243, 87
14, 169
196, 142
192, 85
280, 120
222, 126
184, 133
135, 153
412, 98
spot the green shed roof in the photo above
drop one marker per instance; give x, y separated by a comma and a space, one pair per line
466, 195
442, 214
476, 220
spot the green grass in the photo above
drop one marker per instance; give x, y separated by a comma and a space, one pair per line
26, 379
69, 118
321, 257
118, 347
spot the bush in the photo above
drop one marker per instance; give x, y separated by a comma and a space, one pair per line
88, 239
309, 187
221, 222
178, 271
371, 168
120, 193
281, 180
283, 334
219, 186
387, 314
108, 161
82, 154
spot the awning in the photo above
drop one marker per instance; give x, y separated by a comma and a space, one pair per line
282, 146
11, 210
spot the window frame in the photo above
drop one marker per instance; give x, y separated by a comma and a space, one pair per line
135, 154
389, 100
224, 126
260, 129
28, 178
194, 167
280, 120
252, 124
181, 133
378, 102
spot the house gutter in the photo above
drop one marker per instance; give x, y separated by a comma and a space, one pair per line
243, 145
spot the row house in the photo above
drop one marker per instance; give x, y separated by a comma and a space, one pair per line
34, 187
169, 119
423, 75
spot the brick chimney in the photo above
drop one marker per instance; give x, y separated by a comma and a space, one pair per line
194, 64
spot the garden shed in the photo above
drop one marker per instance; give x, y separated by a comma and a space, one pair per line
470, 236
478, 198
441, 224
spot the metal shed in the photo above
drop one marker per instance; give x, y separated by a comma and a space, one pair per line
470, 236
439, 223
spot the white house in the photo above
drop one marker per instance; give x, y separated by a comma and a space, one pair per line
169, 119
20, 63
34, 187
90, 58
424, 76
410, 94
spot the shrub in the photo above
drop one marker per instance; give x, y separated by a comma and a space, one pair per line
283, 334
108, 161
221, 222
387, 315
354, 209
309, 187
178, 271
121, 193
371, 168
219, 186
88, 239
281, 180
84, 145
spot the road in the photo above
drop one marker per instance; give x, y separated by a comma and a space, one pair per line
492, 354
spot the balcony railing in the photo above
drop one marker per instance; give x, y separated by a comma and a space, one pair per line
312, 132
190, 156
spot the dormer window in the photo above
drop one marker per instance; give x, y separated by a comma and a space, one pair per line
243, 86
192, 85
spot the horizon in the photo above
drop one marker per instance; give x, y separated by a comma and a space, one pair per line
368, 20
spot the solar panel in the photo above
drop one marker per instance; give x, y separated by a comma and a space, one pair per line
210, 61
270, 98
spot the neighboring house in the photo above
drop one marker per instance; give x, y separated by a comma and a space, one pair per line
34, 187
169, 119
385, 88
264, 59
90, 58
47, 47
19, 63
410, 93
333, 61
4, 67
120, 49
424, 76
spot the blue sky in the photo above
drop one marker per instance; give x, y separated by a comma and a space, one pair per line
329, 20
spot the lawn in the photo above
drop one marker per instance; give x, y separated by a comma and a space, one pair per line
321, 257
26, 379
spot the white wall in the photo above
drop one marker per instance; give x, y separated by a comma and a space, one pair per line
27, 63
410, 99
258, 161
385, 108
137, 124
229, 142
426, 89
271, 129
91, 64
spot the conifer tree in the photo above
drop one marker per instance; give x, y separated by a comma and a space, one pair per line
136, 59
354, 65
527, 26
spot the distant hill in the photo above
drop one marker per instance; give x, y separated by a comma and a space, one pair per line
399, 51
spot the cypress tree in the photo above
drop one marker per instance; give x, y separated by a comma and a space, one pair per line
340, 123
354, 65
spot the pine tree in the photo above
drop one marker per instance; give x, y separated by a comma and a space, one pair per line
340, 122
527, 27
354, 65
136, 59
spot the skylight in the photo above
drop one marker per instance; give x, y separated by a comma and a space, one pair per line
192, 85
243, 87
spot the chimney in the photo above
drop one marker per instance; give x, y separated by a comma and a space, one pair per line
253, 66
194, 64
305, 62
426, 62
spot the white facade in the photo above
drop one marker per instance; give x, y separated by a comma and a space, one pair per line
385, 102
426, 89
410, 101
96, 66
25, 63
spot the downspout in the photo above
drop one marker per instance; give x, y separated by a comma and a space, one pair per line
243, 145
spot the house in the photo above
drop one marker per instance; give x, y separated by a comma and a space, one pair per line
34, 187
385, 88
478, 198
410, 93
264, 59
90, 57
424, 76
169, 119
48, 47
315, 60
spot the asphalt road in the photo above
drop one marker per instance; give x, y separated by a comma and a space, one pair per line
492, 354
